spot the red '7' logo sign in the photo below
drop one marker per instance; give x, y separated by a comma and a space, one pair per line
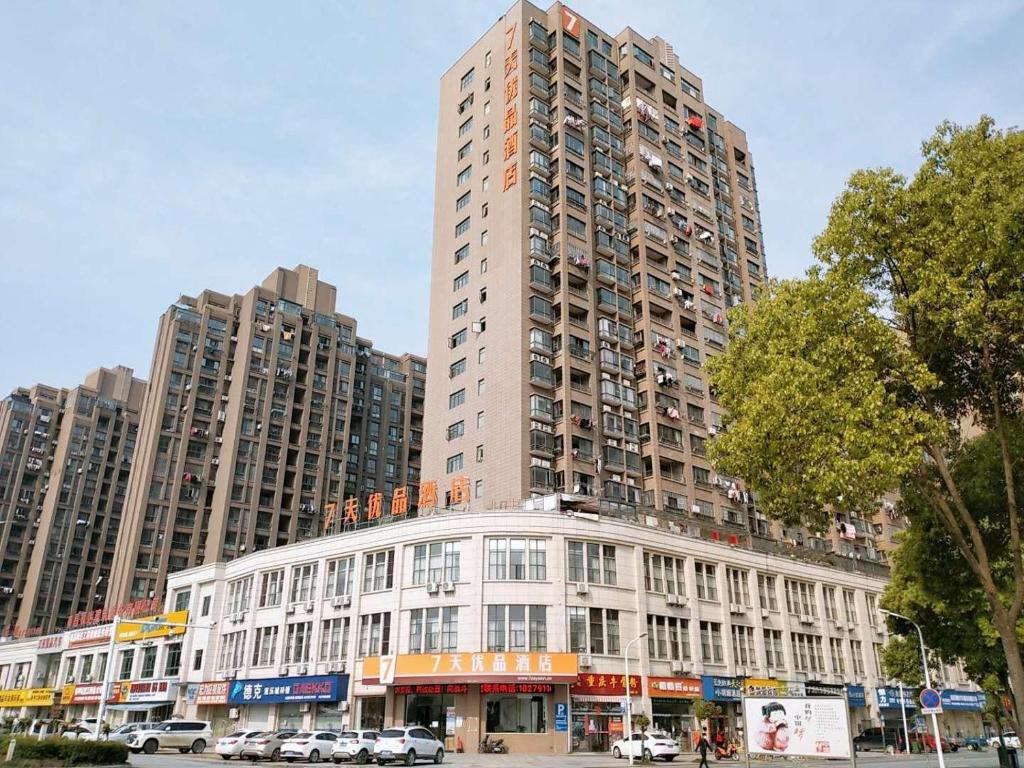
570, 22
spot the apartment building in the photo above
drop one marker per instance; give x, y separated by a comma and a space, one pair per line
595, 220
262, 408
64, 467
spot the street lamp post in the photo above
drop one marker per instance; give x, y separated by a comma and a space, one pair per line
927, 683
629, 697
108, 671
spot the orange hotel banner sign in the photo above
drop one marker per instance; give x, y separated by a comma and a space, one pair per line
471, 668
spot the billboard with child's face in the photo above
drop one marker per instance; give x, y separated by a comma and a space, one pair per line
806, 727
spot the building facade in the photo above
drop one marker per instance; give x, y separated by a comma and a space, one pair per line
509, 624
246, 432
64, 468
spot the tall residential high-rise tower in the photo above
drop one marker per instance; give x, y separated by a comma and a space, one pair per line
65, 460
261, 409
595, 219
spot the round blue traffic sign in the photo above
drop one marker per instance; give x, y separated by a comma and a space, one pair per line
930, 698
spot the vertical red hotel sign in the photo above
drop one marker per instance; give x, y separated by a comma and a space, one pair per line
511, 123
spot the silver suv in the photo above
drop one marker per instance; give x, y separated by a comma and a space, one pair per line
183, 735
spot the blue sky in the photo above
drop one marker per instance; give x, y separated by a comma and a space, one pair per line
153, 149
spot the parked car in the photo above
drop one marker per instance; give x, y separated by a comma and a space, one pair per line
407, 744
231, 745
877, 739
265, 745
973, 743
308, 745
183, 735
656, 745
80, 732
1009, 737
122, 732
926, 741
354, 746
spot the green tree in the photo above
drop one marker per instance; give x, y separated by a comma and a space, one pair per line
901, 660
875, 372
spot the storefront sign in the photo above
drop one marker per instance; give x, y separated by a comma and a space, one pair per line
673, 687
152, 626
275, 690
717, 688
486, 688
889, 698
142, 691
27, 697
768, 686
81, 694
807, 727
561, 717
823, 689
471, 668
855, 695
963, 701
51, 643
605, 685
212, 694
431, 690
91, 636
124, 610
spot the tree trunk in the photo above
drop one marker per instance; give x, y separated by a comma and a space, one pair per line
1014, 667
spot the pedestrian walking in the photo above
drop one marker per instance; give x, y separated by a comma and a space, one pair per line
703, 746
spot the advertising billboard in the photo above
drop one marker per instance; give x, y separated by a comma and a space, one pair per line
803, 727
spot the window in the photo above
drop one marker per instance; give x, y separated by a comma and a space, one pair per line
835, 647
484, 237
831, 612
774, 658
436, 562
591, 563
239, 596
486, 183
594, 630
148, 662
462, 227
480, 420
339, 577
707, 581
461, 254
664, 574
766, 592
465, 149
516, 559
711, 642
303, 587
172, 664
460, 309
434, 630
518, 713
481, 355
461, 281
297, 640
271, 586
457, 398
454, 463
668, 637
463, 201
743, 645
458, 339
800, 599
334, 639
181, 599
232, 652
872, 601
807, 655
264, 649
737, 582
849, 606
857, 653
466, 81
466, 127
374, 634
457, 368
378, 570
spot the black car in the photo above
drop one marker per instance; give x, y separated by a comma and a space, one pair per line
873, 739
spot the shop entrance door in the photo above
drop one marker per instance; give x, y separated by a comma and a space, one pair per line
431, 712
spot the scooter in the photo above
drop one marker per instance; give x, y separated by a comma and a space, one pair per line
728, 752
496, 747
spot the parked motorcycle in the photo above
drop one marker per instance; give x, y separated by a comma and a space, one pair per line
496, 747
727, 752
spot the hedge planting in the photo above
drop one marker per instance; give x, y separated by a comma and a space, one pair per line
58, 751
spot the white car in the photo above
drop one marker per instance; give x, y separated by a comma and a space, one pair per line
407, 744
231, 745
308, 745
657, 745
183, 735
122, 732
79, 731
1011, 739
354, 746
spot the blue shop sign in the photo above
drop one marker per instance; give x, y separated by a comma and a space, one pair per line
717, 688
889, 698
277, 690
964, 701
855, 696
561, 717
